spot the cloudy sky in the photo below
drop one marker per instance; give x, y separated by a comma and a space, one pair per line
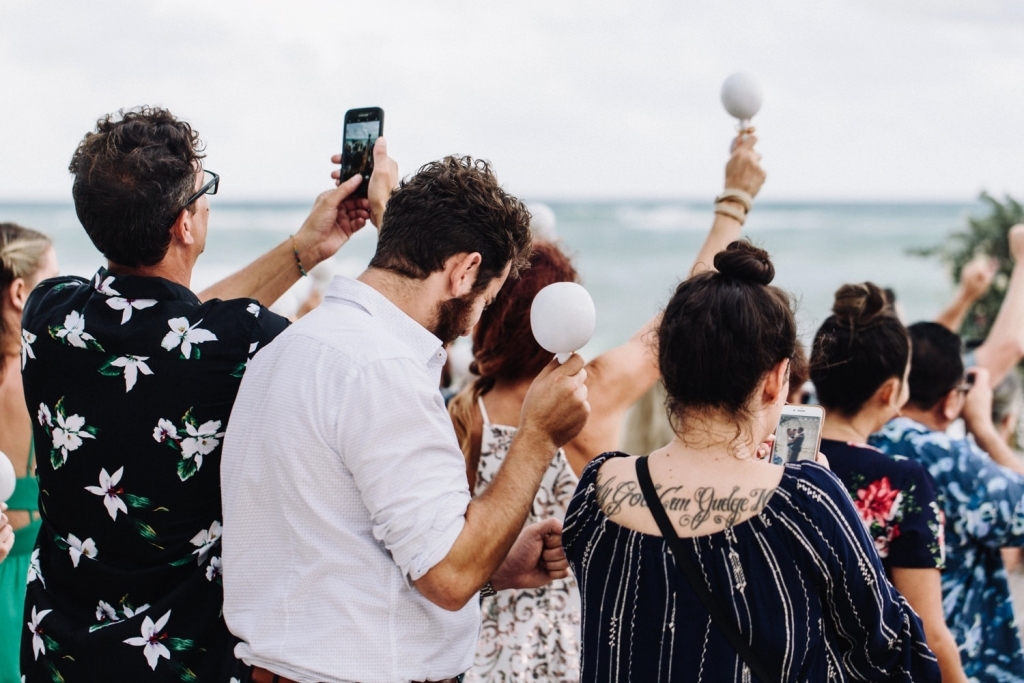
864, 99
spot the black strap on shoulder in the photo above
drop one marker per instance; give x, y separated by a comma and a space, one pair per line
721, 620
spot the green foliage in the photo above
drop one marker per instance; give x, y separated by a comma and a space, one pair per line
984, 236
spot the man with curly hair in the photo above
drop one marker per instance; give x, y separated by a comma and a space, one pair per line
368, 556
132, 377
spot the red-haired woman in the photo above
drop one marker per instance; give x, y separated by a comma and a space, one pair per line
533, 634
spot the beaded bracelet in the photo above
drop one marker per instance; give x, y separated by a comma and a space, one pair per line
298, 261
723, 208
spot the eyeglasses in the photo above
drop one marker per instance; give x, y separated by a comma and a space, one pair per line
209, 188
967, 384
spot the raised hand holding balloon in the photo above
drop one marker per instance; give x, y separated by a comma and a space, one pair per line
741, 96
562, 317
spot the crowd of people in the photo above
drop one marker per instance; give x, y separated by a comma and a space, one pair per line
209, 491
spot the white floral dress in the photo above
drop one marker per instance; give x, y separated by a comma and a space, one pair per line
529, 634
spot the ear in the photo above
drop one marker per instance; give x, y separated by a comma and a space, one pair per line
462, 270
889, 393
776, 383
181, 231
951, 406
17, 294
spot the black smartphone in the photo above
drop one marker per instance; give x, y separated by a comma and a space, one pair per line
362, 128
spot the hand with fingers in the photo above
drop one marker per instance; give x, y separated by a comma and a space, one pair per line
332, 222
743, 171
536, 558
976, 276
383, 181
556, 406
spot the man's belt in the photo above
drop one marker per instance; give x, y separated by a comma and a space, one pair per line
261, 675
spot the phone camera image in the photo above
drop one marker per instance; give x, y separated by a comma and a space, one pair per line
796, 439
360, 137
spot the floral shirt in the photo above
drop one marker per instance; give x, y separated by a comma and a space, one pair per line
131, 381
895, 499
984, 508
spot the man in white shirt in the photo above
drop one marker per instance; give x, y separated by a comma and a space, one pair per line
353, 549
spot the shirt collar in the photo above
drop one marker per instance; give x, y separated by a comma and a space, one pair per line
141, 287
424, 343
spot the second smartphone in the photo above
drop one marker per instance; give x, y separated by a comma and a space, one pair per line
798, 436
362, 128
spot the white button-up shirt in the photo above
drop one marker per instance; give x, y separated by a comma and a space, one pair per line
342, 480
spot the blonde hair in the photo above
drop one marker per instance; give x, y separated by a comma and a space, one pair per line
21, 256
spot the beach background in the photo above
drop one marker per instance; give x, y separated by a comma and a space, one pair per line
630, 254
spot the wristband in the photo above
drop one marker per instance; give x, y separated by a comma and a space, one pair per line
737, 195
298, 261
731, 211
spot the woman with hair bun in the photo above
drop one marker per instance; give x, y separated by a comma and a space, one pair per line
860, 364
771, 575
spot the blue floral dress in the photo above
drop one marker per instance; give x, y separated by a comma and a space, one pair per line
895, 498
984, 508
131, 381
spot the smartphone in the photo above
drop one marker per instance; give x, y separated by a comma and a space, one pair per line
798, 436
362, 128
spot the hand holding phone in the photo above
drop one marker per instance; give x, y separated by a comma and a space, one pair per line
362, 128
798, 436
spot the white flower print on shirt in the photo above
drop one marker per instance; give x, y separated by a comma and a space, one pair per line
126, 306
111, 492
205, 540
194, 441
34, 571
130, 365
104, 286
108, 615
186, 336
77, 548
38, 645
105, 612
150, 640
253, 308
214, 570
27, 339
73, 332
67, 433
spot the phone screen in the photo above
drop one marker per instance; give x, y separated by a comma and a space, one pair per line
798, 435
361, 132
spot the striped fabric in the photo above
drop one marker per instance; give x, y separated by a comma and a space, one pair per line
802, 579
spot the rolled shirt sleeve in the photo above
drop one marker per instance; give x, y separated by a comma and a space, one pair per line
406, 464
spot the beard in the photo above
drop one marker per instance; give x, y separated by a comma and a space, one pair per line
452, 318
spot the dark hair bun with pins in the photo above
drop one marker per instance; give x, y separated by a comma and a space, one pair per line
858, 348
744, 261
861, 305
722, 331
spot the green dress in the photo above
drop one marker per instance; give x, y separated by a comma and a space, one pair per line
14, 574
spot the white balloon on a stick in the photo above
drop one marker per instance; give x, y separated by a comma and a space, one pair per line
742, 97
7, 478
562, 317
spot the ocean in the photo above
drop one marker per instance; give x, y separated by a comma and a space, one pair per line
631, 254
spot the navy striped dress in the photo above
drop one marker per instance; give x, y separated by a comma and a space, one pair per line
802, 580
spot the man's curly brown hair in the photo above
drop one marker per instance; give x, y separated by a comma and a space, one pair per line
133, 175
449, 207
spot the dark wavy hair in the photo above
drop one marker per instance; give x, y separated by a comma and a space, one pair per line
132, 176
449, 207
722, 331
858, 348
503, 344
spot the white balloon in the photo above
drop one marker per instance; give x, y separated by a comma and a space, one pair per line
542, 220
563, 317
741, 96
7, 478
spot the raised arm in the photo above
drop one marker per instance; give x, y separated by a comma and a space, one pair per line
1004, 346
975, 280
332, 222
619, 377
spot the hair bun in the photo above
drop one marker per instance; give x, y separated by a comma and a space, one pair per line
743, 261
860, 305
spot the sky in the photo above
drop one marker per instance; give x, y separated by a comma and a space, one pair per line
863, 100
